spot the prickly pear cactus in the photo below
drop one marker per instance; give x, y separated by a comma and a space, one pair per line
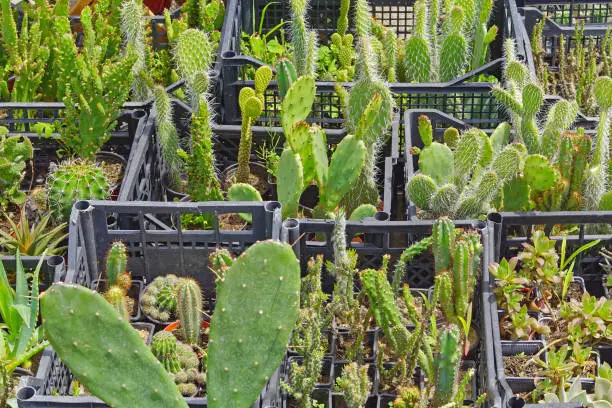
194, 55
243, 192
286, 75
189, 309
15, 151
72, 181
103, 351
257, 307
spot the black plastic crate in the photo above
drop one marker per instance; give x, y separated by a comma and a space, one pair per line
378, 237
20, 117
507, 232
53, 268
153, 250
461, 97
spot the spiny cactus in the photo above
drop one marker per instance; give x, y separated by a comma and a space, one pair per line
180, 361
133, 24
116, 262
257, 307
193, 55
27, 53
342, 44
164, 348
303, 39
286, 75
461, 182
15, 151
167, 135
75, 180
447, 367
72, 313
95, 88
243, 192
204, 15
354, 385
116, 296
159, 298
251, 103
189, 309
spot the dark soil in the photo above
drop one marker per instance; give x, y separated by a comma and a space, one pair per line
574, 292
343, 343
231, 222
113, 172
517, 366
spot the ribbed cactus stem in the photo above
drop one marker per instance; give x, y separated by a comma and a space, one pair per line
362, 18
189, 309
462, 268
116, 261
133, 26
447, 366
117, 298
165, 348
443, 241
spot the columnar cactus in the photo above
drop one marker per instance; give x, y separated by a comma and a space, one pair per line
95, 88
114, 350
303, 39
116, 296
251, 103
133, 24
342, 44
116, 262
167, 135
447, 367
257, 307
461, 182
189, 309
15, 151
27, 52
75, 180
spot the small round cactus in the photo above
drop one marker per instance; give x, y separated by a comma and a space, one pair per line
72, 181
159, 300
164, 346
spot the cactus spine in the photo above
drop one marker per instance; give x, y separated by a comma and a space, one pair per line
133, 25
251, 103
164, 348
167, 135
15, 151
304, 40
72, 181
189, 308
257, 307
159, 298
113, 350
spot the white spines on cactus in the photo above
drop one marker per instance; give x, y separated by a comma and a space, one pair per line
194, 55
304, 41
133, 26
167, 135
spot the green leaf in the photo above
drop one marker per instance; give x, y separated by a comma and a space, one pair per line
24, 312
578, 251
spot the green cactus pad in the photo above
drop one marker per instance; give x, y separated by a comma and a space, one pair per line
516, 195
533, 96
500, 136
362, 212
539, 173
453, 57
103, 351
437, 161
451, 138
420, 190
297, 103
319, 154
290, 182
285, 76
344, 169
418, 60
467, 156
257, 307
603, 92
194, 53
243, 192
444, 201
263, 76
425, 130
507, 164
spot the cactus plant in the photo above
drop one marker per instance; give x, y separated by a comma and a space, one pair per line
303, 39
189, 309
116, 262
116, 296
167, 135
243, 192
114, 350
194, 55
133, 26
96, 88
159, 298
251, 103
164, 348
447, 367
257, 307
342, 44
15, 151
461, 182
75, 180
354, 385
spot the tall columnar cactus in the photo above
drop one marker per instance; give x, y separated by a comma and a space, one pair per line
113, 363
133, 24
461, 182
189, 308
75, 180
251, 103
257, 307
303, 39
193, 55
167, 135
15, 151
27, 52
95, 88
447, 367
116, 262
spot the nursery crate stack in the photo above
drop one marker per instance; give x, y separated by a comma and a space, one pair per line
154, 249
511, 231
371, 239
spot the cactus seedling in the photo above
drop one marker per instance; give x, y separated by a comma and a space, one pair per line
189, 308
257, 307
116, 262
113, 363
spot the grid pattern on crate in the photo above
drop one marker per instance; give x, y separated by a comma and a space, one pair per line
154, 249
20, 118
375, 240
509, 231
595, 12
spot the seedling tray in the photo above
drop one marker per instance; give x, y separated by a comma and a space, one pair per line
377, 237
509, 231
151, 252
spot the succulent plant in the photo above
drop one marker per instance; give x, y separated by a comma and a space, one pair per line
303, 39
133, 24
167, 135
164, 347
509, 286
116, 263
447, 367
193, 55
257, 307
75, 180
15, 151
189, 309
115, 295
35, 240
251, 103
243, 192
589, 319
159, 298
115, 350
521, 326
354, 385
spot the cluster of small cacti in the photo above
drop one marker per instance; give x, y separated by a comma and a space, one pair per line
15, 151
159, 298
75, 180
180, 361
574, 78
